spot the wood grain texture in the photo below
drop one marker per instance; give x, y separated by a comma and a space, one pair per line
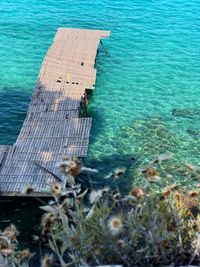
52, 127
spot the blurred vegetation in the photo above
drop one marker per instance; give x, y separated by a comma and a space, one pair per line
155, 223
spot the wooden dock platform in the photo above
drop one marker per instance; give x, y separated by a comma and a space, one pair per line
52, 127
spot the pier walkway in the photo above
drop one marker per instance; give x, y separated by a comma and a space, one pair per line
53, 127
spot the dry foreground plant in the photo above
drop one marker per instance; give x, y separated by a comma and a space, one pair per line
157, 224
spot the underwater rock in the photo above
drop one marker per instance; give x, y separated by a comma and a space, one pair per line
146, 137
186, 112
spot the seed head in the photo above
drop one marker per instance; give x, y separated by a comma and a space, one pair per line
28, 190
6, 252
137, 192
115, 225
193, 193
48, 221
190, 166
149, 172
11, 232
24, 255
119, 171
56, 189
47, 261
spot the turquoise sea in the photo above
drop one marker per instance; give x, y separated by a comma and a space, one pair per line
146, 100
147, 92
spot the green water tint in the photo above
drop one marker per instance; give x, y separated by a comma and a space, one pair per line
137, 144
151, 69
146, 100
147, 137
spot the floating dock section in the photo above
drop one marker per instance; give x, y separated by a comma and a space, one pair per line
53, 126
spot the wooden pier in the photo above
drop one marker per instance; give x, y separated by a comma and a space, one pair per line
53, 127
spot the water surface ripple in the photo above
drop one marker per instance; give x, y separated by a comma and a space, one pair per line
150, 77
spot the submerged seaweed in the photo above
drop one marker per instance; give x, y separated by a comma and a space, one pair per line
146, 137
151, 140
186, 112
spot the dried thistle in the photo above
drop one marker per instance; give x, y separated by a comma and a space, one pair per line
28, 190
70, 166
6, 252
24, 255
115, 225
190, 166
56, 189
48, 221
193, 193
47, 261
11, 232
137, 192
149, 172
119, 171
166, 192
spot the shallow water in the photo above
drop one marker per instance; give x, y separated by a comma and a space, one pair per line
152, 68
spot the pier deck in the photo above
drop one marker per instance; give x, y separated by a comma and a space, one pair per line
52, 127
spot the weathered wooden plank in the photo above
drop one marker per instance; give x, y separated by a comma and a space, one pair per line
39, 96
72, 105
59, 115
3, 151
71, 33
52, 127
73, 127
67, 74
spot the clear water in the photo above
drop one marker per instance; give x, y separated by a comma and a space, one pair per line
152, 67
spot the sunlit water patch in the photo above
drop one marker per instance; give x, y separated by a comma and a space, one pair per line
146, 99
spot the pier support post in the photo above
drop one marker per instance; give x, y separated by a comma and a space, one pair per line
103, 47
